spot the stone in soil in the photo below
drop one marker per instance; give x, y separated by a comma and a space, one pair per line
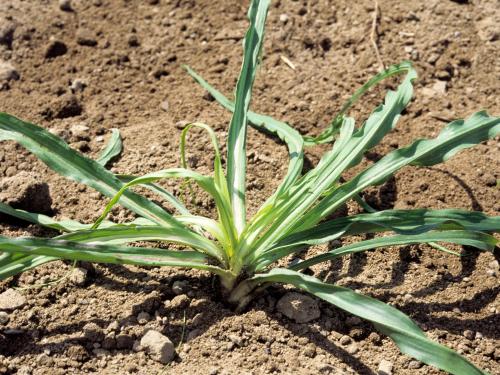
487, 28
78, 85
55, 48
158, 346
180, 287
93, 332
64, 106
468, 334
11, 299
385, 367
77, 353
124, 341
80, 132
298, 307
7, 29
8, 72
26, 191
78, 276
143, 317
439, 87
178, 302
65, 5
4, 317
85, 37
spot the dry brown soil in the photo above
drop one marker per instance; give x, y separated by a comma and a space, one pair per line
128, 54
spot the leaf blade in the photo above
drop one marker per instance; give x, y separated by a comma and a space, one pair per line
99, 253
405, 333
58, 156
236, 144
112, 149
479, 240
456, 136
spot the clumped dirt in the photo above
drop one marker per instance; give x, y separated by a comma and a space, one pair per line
117, 64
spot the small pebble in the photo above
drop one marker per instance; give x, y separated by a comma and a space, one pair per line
4, 317
143, 317
85, 37
468, 334
65, 5
164, 105
159, 346
93, 332
178, 302
237, 340
78, 276
78, 85
11, 299
352, 349
8, 72
415, 365
494, 265
385, 367
298, 307
345, 340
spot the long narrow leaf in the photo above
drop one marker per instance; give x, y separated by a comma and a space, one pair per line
57, 155
282, 130
107, 253
165, 194
329, 134
407, 222
320, 180
122, 235
478, 240
221, 192
62, 225
236, 144
205, 182
457, 135
410, 339
14, 263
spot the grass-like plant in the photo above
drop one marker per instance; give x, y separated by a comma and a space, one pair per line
243, 251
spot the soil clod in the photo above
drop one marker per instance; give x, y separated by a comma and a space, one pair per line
11, 299
298, 307
158, 346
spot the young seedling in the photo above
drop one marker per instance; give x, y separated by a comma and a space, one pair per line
243, 251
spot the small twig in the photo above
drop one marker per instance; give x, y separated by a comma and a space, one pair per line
183, 332
374, 35
229, 37
287, 61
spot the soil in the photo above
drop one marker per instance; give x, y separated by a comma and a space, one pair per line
117, 64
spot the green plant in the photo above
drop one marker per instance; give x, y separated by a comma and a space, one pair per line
243, 252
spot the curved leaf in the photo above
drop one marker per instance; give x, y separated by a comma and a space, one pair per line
122, 235
99, 253
329, 134
112, 150
222, 197
454, 137
236, 143
478, 240
58, 156
320, 180
410, 339
283, 131
165, 194
62, 225
400, 221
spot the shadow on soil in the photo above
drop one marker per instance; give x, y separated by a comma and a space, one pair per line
213, 310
